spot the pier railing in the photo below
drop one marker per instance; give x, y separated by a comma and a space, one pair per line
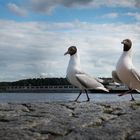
57, 88
41, 87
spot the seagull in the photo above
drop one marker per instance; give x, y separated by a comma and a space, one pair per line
125, 71
79, 78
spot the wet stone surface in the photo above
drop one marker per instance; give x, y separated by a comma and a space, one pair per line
70, 121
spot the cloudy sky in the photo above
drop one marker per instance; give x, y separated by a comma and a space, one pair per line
34, 34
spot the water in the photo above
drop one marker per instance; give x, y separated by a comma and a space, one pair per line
52, 97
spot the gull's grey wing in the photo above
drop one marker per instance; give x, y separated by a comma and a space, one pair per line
99, 80
135, 74
115, 77
89, 82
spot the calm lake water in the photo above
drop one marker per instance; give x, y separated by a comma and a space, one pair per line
51, 97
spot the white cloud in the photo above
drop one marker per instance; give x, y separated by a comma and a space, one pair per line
110, 15
135, 15
114, 3
16, 9
47, 6
30, 49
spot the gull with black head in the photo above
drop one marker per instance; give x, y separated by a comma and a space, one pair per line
79, 78
125, 70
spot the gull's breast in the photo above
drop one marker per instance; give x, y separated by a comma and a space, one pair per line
123, 70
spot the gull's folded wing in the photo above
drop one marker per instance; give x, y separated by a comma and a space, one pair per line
89, 82
135, 74
115, 77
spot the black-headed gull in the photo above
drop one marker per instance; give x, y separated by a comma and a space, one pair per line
79, 78
125, 70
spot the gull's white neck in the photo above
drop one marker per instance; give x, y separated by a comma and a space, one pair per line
127, 53
125, 60
74, 63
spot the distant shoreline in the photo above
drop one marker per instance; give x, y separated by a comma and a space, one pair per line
76, 90
61, 89
56, 85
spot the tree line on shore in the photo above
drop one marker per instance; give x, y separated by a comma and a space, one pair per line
37, 82
44, 82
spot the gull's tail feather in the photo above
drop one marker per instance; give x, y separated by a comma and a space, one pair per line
102, 88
